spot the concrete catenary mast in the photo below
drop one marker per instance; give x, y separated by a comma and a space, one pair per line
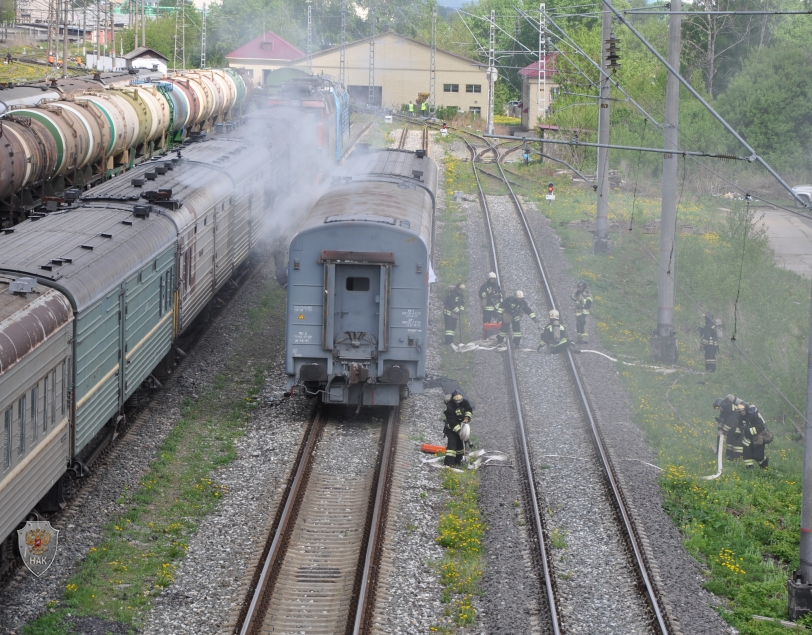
491, 70
371, 92
600, 244
664, 341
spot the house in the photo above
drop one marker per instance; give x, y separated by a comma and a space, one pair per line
401, 71
263, 55
539, 88
145, 57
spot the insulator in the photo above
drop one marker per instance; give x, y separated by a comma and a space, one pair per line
613, 52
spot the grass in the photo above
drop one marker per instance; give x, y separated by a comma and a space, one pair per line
141, 547
742, 527
460, 531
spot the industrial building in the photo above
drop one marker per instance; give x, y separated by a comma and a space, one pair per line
539, 88
263, 55
401, 71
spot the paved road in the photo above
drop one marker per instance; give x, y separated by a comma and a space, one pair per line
791, 239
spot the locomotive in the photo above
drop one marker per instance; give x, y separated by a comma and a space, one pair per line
359, 268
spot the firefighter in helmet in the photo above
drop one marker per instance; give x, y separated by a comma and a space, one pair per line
512, 310
709, 342
753, 438
452, 307
490, 296
583, 304
458, 413
730, 411
554, 336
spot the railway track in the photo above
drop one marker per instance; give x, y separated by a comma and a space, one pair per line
659, 620
319, 568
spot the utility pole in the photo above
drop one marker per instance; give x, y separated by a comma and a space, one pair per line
203, 36
112, 37
309, 37
50, 24
65, 42
97, 46
664, 340
135, 24
342, 70
600, 244
799, 585
542, 56
371, 93
433, 64
491, 70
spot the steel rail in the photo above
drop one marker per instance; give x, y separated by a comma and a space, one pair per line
628, 524
251, 617
369, 577
404, 133
549, 583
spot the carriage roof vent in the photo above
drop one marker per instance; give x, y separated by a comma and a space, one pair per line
363, 218
21, 286
420, 153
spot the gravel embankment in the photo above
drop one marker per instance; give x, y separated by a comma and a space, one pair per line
195, 600
680, 574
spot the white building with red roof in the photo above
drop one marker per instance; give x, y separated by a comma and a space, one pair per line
263, 55
539, 88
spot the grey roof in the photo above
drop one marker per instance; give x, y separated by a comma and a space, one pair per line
142, 50
85, 251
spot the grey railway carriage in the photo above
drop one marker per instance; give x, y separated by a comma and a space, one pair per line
93, 295
358, 282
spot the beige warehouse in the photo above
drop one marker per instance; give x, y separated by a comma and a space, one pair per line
402, 71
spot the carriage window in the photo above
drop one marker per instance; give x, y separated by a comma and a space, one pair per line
64, 391
45, 404
34, 413
21, 412
357, 284
7, 439
53, 396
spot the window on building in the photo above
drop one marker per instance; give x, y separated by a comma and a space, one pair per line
473, 88
476, 111
451, 88
357, 284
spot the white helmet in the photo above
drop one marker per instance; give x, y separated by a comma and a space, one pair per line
465, 432
520, 294
492, 276
553, 314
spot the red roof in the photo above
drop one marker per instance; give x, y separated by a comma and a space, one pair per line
532, 70
268, 46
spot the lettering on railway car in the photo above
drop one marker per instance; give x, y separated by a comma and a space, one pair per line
303, 337
301, 308
410, 318
38, 542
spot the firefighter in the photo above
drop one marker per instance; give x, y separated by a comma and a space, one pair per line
583, 304
458, 412
512, 309
490, 295
452, 307
753, 438
709, 342
729, 420
554, 336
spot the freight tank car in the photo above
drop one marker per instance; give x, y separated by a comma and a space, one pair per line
358, 282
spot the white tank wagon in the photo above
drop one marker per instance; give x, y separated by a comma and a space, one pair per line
358, 282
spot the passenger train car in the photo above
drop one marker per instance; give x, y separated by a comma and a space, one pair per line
358, 282
93, 296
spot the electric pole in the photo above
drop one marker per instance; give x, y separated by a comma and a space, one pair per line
65, 43
542, 54
342, 67
135, 23
371, 93
203, 36
664, 341
144, 24
491, 70
433, 63
309, 37
600, 244
800, 584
